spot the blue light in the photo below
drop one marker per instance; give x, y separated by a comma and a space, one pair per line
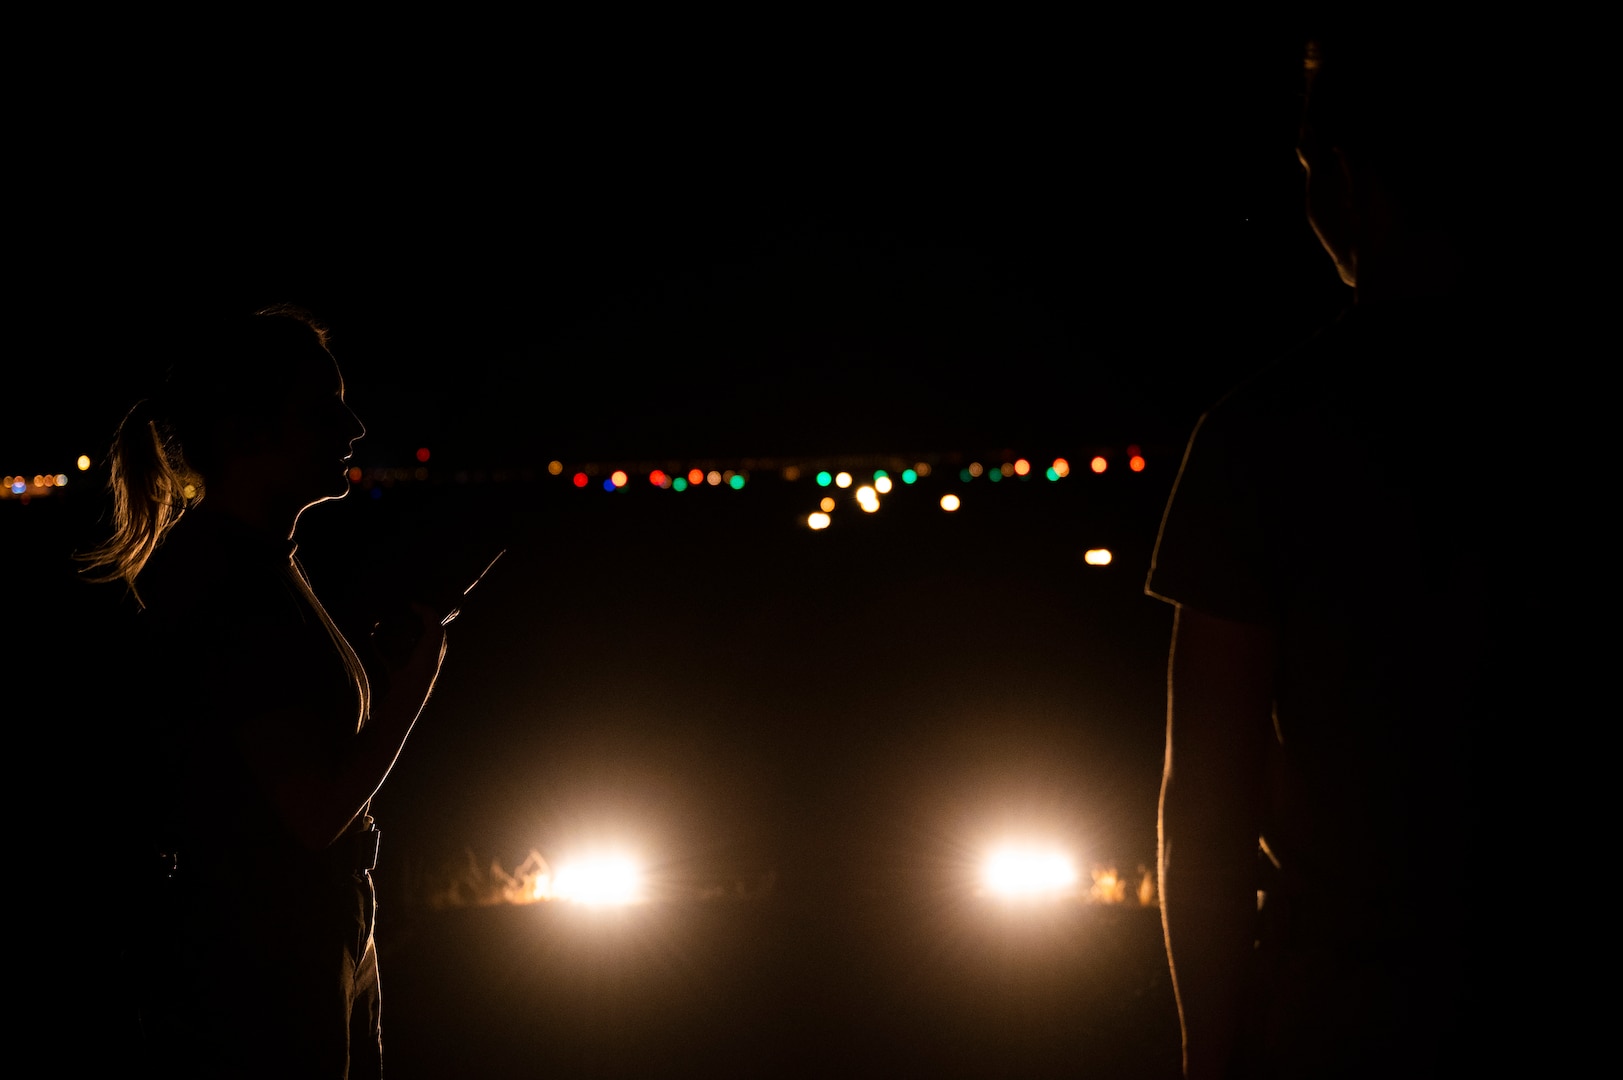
608, 485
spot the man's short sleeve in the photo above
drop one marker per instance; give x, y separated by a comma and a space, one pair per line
1212, 553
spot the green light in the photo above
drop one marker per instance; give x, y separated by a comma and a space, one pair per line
680, 483
994, 475
908, 476
880, 474
824, 479
1051, 474
737, 482
965, 475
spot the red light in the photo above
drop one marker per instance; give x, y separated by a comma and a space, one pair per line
1134, 451
1099, 464
1136, 463
580, 479
695, 477
657, 478
355, 474
422, 453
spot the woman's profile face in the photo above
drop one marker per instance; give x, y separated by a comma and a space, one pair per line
317, 431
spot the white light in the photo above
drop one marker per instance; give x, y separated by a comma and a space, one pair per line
882, 485
817, 520
949, 503
1014, 872
867, 498
1097, 557
843, 480
598, 881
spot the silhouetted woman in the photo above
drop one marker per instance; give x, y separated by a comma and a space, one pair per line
265, 747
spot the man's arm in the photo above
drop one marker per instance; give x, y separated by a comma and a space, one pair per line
1220, 687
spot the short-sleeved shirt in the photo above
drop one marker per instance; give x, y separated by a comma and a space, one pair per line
1349, 498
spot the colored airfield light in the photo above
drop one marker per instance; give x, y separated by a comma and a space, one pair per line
909, 476
619, 477
1052, 473
554, 468
922, 468
824, 478
19, 485
818, 520
657, 478
355, 474
189, 491
880, 474
737, 482
83, 462
422, 453
883, 485
61, 479
1022, 467
976, 468
1006, 469
680, 483
1060, 468
580, 480
1136, 463
1097, 557
713, 478
608, 485
827, 505
695, 477
995, 475
949, 503
843, 480
1098, 464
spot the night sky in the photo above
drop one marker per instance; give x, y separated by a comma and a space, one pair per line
941, 252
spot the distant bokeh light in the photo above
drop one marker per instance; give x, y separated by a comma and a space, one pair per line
1028, 873
1098, 464
619, 477
598, 881
818, 520
1061, 469
1136, 463
83, 462
828, 504
882, 485
843, 480
1097, 557
580, 480
555, 467
949, 503
1022, 467
422, 453
867, 498
695, 476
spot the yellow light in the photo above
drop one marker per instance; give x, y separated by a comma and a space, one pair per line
601, 880
619, 477
975, 468
922, 468
83, 462
713, 478
828, 504
949, 503
555, 467
791, 472
818, 520
883, 485
1097, 557
1098, 464
189, 491
843, 480
1027, 873
1022, 467
1062, 468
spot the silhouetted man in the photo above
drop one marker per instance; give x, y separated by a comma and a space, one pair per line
1330, 547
